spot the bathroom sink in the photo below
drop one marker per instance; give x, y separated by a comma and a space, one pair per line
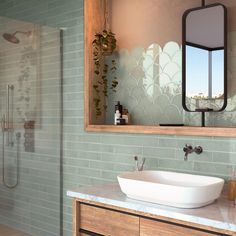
171, 188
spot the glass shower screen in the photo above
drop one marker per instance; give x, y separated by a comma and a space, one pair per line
30, 134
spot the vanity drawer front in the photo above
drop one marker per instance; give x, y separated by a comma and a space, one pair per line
107, 222
157, 228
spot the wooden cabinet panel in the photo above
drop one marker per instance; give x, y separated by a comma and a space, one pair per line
157, 228
108, 222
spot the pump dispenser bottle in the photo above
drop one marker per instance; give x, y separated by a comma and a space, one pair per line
118, 112
119, 107
117, 116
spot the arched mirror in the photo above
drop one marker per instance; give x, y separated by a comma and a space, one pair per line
205, 59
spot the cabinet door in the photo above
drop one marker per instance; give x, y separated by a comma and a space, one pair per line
107, 222
157, 228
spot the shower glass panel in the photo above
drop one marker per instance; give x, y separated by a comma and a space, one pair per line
30, 132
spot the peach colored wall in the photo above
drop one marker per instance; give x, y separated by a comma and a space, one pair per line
139, 23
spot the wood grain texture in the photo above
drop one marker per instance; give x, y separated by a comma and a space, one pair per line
151, 227
183, 130
107, 222
76, 220
156, 217
93, 23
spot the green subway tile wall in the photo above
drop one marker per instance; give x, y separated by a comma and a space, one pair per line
34, 205
92, 158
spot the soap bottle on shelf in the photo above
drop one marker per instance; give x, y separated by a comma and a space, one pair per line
117, 116
118, 107
232, 187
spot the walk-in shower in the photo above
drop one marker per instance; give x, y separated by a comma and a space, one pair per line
30, 134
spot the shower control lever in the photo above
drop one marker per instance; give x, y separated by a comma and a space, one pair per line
3, 123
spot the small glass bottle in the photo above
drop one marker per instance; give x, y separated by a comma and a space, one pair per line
126, 116
117, 116
119, 107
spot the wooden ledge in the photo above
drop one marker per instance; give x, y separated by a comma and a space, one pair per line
164, 130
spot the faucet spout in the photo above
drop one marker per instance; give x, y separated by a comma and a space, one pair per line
188, 149
186, 156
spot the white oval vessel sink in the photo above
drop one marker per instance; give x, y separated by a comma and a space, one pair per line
171, 188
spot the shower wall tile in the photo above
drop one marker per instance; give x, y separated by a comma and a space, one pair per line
33, 206
90, 158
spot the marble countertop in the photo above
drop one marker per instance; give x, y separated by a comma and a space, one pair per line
221, 214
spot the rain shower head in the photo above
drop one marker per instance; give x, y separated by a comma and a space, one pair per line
12, 37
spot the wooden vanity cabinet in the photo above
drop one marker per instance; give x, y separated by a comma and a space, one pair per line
94, 219
157, 228
108, 222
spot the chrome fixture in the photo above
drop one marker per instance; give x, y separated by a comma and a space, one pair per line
188, 149
12, 37
139, 167
7, 119
18, 135
7, 127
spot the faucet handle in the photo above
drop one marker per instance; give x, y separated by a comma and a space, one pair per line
198, 150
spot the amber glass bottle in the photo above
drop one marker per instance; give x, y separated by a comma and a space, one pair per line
232, 187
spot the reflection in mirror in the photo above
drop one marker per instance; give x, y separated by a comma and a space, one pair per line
204, 58
149, 84
205, 68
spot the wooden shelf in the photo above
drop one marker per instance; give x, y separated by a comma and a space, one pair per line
164, 130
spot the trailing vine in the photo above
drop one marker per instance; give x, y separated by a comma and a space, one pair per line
104, 45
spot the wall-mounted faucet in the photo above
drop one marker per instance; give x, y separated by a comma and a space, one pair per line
188, 149
139, 167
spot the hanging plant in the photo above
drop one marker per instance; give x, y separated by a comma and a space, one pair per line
104, 45
105, 42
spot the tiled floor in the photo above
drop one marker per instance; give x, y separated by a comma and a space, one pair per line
6, 231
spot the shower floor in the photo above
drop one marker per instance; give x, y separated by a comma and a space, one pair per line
7, 231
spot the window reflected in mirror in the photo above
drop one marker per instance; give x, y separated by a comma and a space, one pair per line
204, 73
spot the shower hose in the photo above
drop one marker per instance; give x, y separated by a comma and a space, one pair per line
18, 135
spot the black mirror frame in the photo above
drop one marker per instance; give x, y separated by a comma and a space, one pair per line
184, 44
